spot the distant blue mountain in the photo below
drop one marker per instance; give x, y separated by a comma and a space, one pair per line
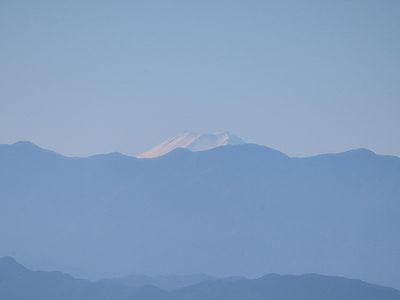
244, 209
19, 283
289, 287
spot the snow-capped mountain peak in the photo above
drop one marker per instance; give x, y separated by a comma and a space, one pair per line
193, 142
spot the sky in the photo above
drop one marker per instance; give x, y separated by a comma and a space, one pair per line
303, 77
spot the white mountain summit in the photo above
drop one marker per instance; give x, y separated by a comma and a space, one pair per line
193, 142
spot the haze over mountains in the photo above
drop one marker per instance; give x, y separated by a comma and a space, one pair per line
164, 282
232, 210
20, 283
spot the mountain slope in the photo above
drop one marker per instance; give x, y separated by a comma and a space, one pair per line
193, 142
19, 283
242, 209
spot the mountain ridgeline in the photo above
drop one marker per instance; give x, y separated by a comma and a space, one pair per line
20, 283
243, 209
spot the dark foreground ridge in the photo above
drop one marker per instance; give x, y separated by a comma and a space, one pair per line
19, 283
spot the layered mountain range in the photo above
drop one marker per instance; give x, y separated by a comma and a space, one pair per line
20, 283
232, 210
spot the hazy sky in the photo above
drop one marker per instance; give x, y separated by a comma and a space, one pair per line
305, 77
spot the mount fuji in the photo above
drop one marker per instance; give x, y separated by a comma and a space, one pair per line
193, 142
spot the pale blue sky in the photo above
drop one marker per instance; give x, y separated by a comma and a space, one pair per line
305, 77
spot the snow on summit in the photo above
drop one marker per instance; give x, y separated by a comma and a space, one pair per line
193, 142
